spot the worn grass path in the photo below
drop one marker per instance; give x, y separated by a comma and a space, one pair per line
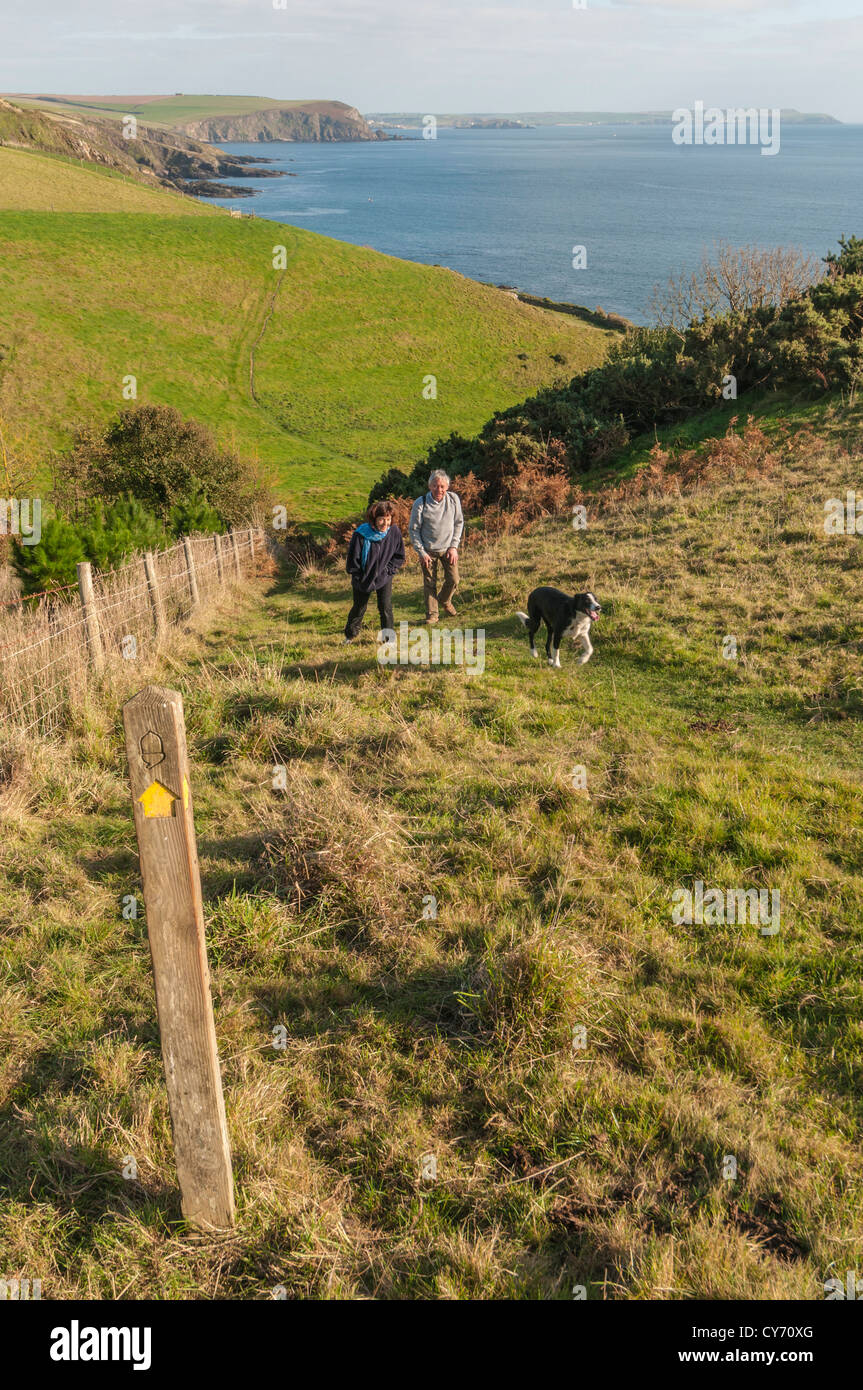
410, 1035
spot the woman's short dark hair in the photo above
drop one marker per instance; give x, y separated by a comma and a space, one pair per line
378, 510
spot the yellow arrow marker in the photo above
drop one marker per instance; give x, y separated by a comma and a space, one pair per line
157, 800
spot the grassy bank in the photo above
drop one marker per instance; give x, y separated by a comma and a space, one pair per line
113, 283
452, 1036
51, 183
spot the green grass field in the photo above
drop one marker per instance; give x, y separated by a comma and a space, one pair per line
52, 183
164, 111
95, 292
603, 1165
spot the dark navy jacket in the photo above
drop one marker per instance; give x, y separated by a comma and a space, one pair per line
386, 558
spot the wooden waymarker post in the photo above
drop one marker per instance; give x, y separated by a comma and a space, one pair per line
159, 776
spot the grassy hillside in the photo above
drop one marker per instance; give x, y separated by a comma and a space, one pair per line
172, 111
41, 182
88, 297
406, 1036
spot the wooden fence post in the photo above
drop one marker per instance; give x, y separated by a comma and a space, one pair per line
153, 589
236, 552
159, 776
217, 546
190, 572
91, 618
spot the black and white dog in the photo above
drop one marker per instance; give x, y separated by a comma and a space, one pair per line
563, 617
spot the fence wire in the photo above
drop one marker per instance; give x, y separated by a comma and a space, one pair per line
47, 655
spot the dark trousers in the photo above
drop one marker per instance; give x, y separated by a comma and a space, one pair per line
361, 603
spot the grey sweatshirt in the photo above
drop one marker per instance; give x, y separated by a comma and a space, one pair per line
436, 525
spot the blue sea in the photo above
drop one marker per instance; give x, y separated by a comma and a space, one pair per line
508, 207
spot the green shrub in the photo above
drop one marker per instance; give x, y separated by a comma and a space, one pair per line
850, 258
194, 516
112, 533
150, 452
394, 483
51, 564
106, 537
659, 376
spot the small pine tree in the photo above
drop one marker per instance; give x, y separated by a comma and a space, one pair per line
112, 533
51, 564
194, 515
849, 261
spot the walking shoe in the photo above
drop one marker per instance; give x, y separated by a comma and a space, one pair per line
448, 608
346, 640
430, 622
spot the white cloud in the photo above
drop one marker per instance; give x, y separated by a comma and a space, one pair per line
711, 6
470, 56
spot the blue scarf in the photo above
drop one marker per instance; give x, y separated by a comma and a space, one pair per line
368, 534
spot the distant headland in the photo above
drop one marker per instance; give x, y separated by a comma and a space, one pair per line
526, 120
213, 119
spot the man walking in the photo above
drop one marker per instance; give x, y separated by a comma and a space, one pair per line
436, 527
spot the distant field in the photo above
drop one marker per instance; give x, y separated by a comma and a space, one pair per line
91, 293
156, 110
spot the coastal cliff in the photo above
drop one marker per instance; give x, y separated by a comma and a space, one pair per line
154, 156
314, 121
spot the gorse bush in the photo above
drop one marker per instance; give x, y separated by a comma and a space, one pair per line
849, 261
151, 453
811, 339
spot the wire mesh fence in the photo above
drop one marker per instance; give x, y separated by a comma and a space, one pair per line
54, 644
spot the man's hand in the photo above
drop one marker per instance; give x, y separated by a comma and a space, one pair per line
425, 561
451, 555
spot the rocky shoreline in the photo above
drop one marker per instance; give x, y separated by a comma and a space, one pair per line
199, 180
148, 154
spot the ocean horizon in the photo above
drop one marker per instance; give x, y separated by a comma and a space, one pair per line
509, 207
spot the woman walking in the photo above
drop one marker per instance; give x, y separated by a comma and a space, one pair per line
375, 555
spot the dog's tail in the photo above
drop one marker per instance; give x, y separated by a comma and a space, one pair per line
524, 618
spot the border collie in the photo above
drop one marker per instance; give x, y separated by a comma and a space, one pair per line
563, 617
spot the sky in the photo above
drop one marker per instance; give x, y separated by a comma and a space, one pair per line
447, 56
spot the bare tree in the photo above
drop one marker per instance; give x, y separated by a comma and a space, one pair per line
733, 279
